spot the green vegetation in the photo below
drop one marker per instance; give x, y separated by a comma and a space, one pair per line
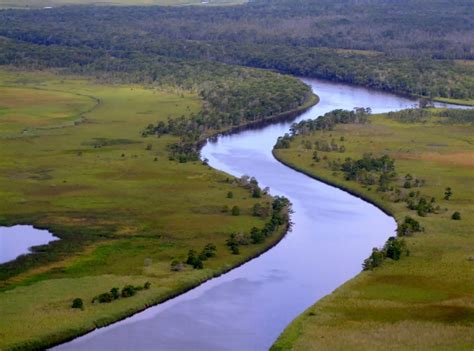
77, 303
74, 161
417, 290
388, 45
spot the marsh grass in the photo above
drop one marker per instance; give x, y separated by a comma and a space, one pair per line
425, 300
122, 210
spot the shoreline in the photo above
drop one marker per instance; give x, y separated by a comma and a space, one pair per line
353, 192
348, 190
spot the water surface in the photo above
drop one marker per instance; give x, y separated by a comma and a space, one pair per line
17, 240
247, 308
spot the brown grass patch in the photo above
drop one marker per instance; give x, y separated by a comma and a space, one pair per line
465, 159
53, 190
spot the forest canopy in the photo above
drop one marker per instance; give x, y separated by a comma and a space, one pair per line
407, 46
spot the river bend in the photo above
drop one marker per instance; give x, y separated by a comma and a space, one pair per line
247, 308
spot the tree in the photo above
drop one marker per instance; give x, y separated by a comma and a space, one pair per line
448, 193
77, 303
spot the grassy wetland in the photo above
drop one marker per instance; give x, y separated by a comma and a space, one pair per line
74, 161
423, 299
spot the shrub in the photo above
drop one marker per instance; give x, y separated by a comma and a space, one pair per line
233, 244
374, 260
230, 195
456, 216
209, 251
128, 290
104, 298
235, 211
257, 193
408, 227
115, 293
177, 266
448, 193
194, 260
147, 285
394, 248
77, 303
257, 235
198, 264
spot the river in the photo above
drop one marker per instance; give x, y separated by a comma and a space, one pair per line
247, 308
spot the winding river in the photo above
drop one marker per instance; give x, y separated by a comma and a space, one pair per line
247, 308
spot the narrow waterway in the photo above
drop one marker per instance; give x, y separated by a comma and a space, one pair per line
247, 308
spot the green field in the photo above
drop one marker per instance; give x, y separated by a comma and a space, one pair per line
73, 160
424, 301
37, 4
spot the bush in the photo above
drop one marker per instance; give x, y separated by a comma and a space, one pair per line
456, 216
257, 235
394, 248
128, 290
235, 211
257, 193
77, 303
177, 266
230, 195
147, 285
208, 251
448, 193
115, 293
194, 260
408, 227
233, 244
375, 259
104, 298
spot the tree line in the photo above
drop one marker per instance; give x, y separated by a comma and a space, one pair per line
404, 46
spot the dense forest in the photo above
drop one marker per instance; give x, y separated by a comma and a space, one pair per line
408, 46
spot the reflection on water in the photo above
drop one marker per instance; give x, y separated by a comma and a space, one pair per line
247, 308
17, 240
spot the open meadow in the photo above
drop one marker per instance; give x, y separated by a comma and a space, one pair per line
424, 300
73, 160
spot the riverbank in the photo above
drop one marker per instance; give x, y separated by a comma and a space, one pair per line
423, 301
122, 210
459, 102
